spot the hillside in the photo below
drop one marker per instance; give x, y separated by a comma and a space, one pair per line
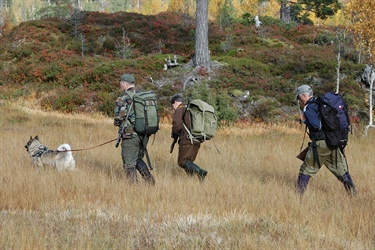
42, 61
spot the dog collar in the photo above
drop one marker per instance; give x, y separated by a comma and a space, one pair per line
39, 153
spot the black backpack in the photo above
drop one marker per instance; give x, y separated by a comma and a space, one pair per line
335, 120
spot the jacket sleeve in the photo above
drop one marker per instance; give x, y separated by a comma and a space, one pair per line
313, 122
177, 121
121, 109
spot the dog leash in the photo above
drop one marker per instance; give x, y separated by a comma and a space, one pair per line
82, 149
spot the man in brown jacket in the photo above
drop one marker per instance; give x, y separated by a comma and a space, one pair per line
188, 149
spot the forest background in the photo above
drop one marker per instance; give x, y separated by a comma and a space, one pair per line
71, 59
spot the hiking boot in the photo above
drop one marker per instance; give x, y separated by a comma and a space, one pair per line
346, 179
202, 174
302, 182
192, 168
145, 173
131, 175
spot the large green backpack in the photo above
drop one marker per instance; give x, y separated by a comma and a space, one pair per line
146, 112
203, 120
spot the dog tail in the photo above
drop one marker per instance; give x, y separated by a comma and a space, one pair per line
69, 163
64, 147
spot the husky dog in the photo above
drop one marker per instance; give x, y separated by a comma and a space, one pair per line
42, 156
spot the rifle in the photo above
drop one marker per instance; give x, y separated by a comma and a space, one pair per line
173, 143
300, 111
120, 131
302, 154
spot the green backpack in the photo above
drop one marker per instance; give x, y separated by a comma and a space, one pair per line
145, 112
203, 120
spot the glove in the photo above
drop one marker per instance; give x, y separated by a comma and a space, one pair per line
117, 122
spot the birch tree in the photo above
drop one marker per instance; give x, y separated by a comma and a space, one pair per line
362, 20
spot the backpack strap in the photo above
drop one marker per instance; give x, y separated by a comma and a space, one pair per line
146, 151
190, 136
131, 107
187, 110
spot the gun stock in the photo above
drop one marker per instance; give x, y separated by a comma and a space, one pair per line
172, 145
302, 154
119, 136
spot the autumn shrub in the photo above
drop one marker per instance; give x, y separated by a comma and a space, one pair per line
51, 73
22, 52
265, 109
269, 61
221, 101
270, 21
225, 110
65, 100
106, 102
109, 44
325, 38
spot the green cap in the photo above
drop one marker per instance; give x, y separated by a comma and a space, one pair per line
127, 78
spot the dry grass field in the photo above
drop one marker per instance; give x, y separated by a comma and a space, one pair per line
246, 202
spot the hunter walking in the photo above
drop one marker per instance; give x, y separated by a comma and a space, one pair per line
133, 146
319, 153
188, 149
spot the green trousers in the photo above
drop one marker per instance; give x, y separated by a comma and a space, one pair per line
332, 159
132, 149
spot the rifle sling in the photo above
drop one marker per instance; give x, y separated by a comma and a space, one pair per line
315, 151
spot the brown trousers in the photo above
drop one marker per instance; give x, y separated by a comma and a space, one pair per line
187, 152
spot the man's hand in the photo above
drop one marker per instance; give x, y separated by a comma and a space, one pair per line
175, 138
117, 121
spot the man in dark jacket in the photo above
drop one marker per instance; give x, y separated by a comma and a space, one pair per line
188, 149
319, 153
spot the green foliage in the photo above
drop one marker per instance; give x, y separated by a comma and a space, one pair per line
248, 19
322, 9
106, 102
266, 109
65, 101
43, 56
221, 101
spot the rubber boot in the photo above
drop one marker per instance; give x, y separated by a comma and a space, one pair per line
191, 168
131, 174
145, 173
346, 179
302, 182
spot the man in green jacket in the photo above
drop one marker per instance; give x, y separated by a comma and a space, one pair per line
133, 146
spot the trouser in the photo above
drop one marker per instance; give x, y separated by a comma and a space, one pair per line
187, 152
131, 150
332, 159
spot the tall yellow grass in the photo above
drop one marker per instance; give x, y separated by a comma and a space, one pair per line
246, 202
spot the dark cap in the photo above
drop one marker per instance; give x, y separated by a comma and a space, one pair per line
177, 97
302, 89
127, 78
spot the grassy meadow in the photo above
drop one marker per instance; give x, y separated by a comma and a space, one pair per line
246, 202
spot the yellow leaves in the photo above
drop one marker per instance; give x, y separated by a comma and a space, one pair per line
362, 22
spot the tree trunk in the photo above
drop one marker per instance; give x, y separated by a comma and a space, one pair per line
285, 11
202, 54
338, 60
